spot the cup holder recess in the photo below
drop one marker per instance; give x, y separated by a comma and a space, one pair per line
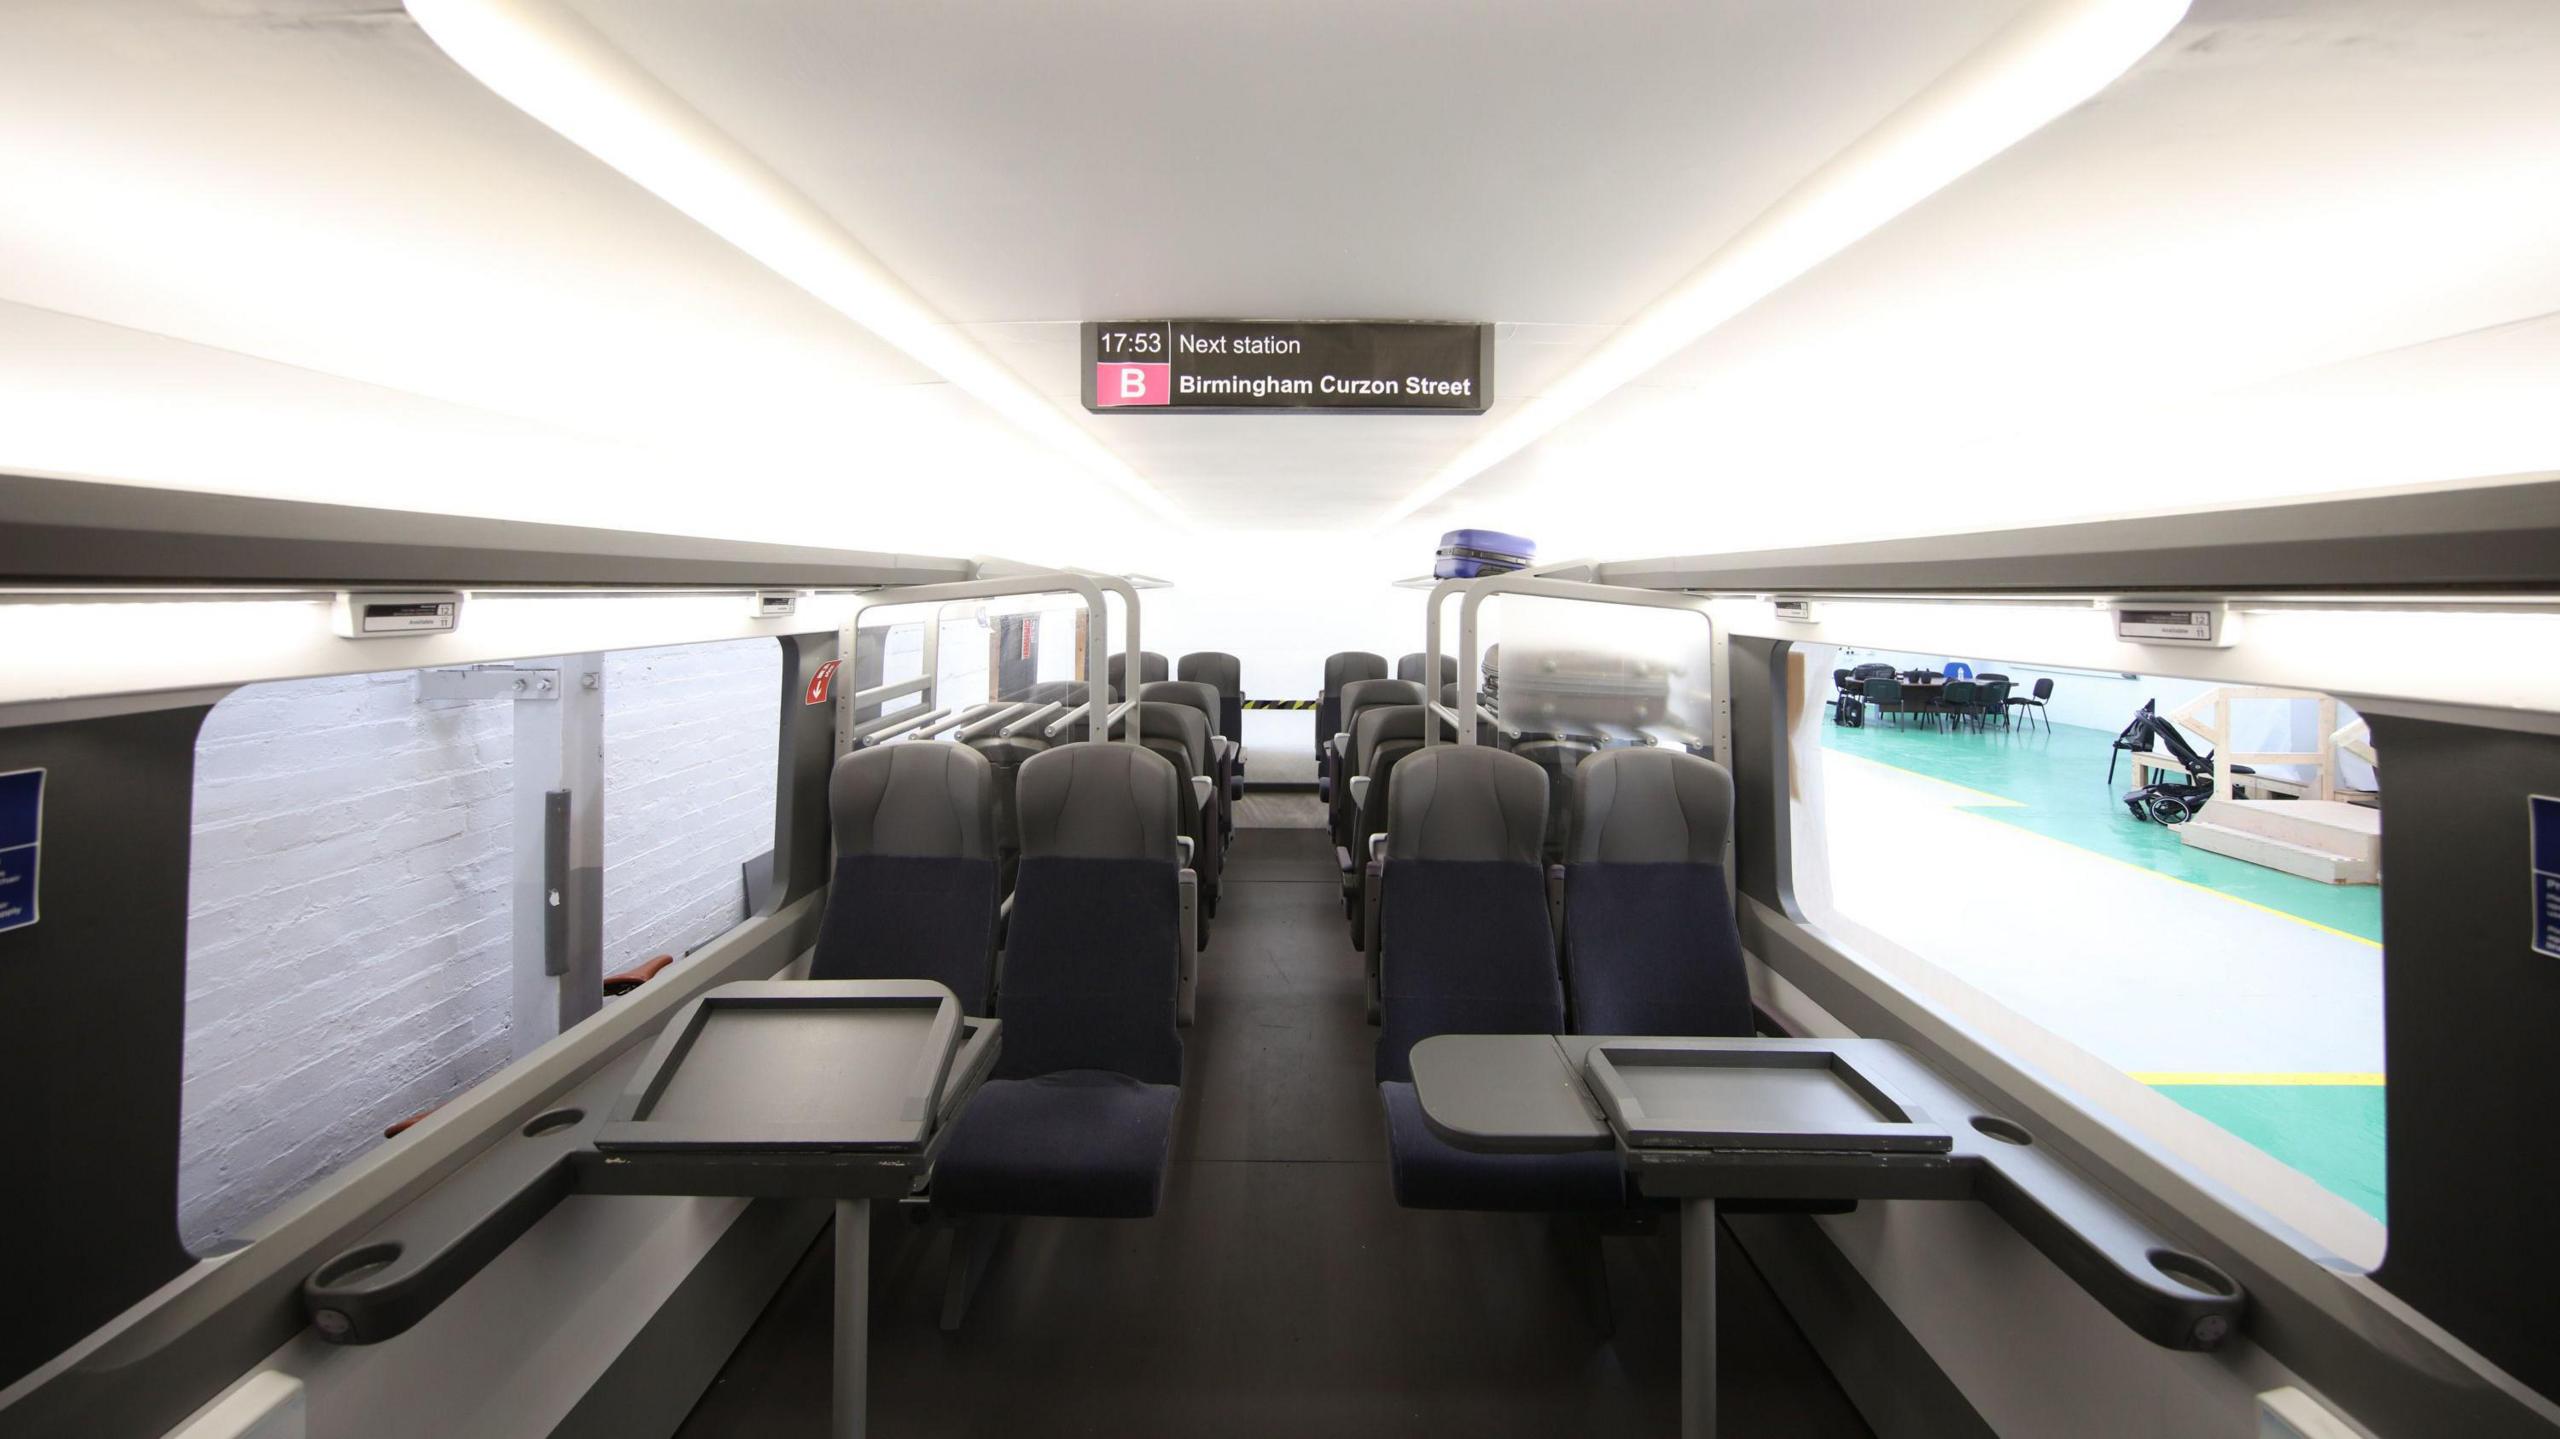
356, 1266
552, 1122
2004, 1130
2194, 1273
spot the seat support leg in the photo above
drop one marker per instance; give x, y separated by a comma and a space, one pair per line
1697, 1319
852, 1318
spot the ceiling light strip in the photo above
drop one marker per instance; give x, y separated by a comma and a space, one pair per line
550, 63
2049, 59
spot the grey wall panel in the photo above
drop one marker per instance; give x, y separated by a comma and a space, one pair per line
2493, 537
64, 532
1757, 671
92, 1030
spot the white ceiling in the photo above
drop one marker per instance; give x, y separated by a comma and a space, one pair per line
1026, 166
2333, 213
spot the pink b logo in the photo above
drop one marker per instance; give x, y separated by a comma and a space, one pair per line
1116, 384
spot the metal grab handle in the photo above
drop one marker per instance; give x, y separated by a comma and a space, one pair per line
892, 731
1066, 721
963, 717
1031, 720
987, 723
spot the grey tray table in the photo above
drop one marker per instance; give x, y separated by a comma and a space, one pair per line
1698, 1120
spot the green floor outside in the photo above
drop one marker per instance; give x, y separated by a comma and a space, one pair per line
2057, 786
2058, 782
2330, 1132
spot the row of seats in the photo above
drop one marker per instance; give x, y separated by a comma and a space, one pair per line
1466, 945
1090, 976
1352, 667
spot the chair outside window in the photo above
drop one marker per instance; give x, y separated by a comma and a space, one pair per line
2043, 692
1886, 696
1960, 701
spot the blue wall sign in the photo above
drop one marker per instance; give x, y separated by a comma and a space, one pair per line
2545, 811
21, 835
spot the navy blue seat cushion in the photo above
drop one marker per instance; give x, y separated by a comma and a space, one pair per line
1091, 963
1652, 949
911, 917
1431, 1173
1464, 948
1080, 1144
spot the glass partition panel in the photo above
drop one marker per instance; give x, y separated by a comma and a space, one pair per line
1609, 673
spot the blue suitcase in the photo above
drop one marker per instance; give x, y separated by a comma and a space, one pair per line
1470, 554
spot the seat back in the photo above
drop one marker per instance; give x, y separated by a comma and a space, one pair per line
1358, 697
1992, 694
1379, 726
1884, 691
1960, 694
1070, 693
1005, 755
914, 890
1465, 947
2044, 689
1340, 672
1560, 758
1094, 950
1650, 945
1192, 694
1411, 667
1225, 674
1181, 734
1151, 667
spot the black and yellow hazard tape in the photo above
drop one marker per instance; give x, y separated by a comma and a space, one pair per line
1279, 704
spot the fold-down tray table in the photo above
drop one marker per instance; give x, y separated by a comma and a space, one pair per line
1698, 1120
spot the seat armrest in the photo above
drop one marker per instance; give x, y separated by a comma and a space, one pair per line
1342, 859
1370, 899
1186, 995
1182, 846
1377, 847
1202, 788
1341, 746
1360, 791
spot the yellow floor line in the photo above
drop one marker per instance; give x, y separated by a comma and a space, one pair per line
2313, 1077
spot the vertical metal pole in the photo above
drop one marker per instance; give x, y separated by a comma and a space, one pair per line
1697, 1319
582, 775
853, 1318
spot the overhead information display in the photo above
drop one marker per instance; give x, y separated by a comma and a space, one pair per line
1245, 366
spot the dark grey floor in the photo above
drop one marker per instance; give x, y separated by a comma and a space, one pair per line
1280, 1291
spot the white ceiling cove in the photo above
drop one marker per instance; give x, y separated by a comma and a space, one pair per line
2134, 308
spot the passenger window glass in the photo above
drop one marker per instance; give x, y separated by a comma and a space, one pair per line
351, 959
689, 773
2195, 942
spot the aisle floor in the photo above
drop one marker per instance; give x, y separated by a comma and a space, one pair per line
1280, 1291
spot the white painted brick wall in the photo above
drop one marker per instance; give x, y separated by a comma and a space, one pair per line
347, 933
689, 757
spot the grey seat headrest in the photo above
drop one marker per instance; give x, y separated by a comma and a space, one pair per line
1160, 721
1221, 672
1360, 694
1411, 667
1387, 724
1151, 667
1098, 801
1650, 806
1468, 802
1008, 749
914, 799
1195, 693
1350, 667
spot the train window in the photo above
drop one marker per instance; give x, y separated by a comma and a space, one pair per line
689, 735
2164, 890
358, 845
